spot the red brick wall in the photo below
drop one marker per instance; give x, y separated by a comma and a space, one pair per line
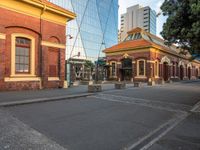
12, 22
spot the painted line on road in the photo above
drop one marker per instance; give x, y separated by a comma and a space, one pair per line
147, 100
168, 126
196, 107
151, 105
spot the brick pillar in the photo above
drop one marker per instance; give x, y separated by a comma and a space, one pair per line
62, 67
45, 67
2, 59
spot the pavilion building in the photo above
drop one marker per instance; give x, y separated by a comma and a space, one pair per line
144, 57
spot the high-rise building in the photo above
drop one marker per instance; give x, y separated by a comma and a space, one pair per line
94, 29
137, 16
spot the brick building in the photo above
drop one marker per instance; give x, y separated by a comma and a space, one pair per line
145, 57
32, 44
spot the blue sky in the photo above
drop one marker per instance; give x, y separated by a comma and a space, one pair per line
154, 4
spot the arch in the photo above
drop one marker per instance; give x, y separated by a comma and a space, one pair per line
181, 63
189, 65
54, 39
165, 59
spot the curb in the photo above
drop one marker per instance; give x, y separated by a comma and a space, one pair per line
40, 100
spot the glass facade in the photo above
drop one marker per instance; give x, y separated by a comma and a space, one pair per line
94, 29
152, 21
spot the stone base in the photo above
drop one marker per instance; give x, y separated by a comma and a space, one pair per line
151, 83
95, 88
137, 84
120, 85
86, 82
65, 86
169, 81
76, 83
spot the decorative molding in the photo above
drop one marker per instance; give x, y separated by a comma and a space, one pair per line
125, 55
165, 59
189, 65
50, 44
181, 63
2, 36
119, 63
150, 61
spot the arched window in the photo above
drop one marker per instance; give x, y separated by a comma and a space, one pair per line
22, 55
141, 70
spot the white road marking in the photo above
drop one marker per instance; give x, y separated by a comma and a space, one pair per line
148, 103
196, 107
173, 122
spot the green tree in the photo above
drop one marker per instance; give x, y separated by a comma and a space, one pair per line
89, 64
183, 24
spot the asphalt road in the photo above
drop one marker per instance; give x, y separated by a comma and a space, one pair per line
157, 118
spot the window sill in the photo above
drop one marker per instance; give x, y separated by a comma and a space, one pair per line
53, 79
15, 79
141, 77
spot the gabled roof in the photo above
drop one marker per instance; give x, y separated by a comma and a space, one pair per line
144, 39
129, 45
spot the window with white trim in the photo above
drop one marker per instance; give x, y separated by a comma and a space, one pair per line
22, 55
141, 67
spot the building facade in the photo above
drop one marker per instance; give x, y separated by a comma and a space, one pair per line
94, 29
137, 16
32, 44
144, 57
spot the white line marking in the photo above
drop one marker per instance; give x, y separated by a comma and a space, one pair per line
175, 122
196, 107
141, 104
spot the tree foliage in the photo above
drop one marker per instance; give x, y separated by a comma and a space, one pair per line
183, 24
89, 64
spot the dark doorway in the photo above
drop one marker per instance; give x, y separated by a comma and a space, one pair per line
165, 71
181, 72
189, 73
197, 73
126, 70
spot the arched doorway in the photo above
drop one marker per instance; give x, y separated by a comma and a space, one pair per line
197, 73
181, 72
189, 73
126, 70
165, 71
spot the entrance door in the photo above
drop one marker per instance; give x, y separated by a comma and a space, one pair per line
126, 70
165, 71
126, 74
181, 72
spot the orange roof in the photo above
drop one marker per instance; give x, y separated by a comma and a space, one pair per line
129, 45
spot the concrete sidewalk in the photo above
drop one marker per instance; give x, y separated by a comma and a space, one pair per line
25, 97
